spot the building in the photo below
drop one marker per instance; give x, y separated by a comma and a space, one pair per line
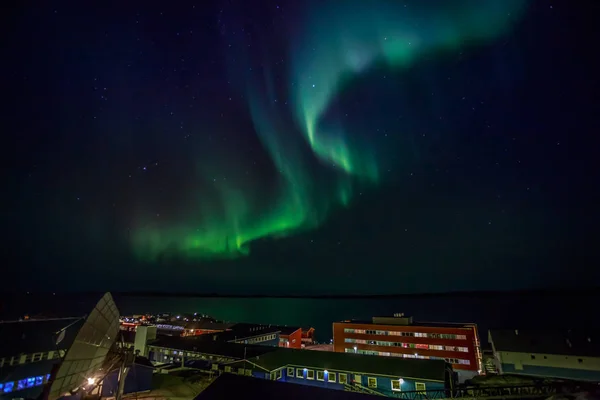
347, 371
230, 386
308, 336
399, 336
30, 350
290, 337
194, 328
264, 335
205, 327
547, 353
173, 349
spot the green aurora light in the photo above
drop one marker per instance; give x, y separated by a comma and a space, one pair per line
338, 42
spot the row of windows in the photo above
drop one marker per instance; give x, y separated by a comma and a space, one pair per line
388, 354
240, 371
579, 360
342, 378
259, 339
162, 354
29, 358
408, 345
409, 334
8, 387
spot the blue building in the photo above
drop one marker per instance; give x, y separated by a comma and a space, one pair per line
30, 350
558, 354
387, 376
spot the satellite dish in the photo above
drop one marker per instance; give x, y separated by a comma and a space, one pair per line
89, 349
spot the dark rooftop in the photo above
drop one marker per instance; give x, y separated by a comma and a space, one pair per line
230, 386
413, 323
210, 325
225, 349
36, 336
433, 370
287, 330
563, 342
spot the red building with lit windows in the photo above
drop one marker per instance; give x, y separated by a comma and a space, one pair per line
399, 336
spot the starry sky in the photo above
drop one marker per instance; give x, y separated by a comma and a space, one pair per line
335, 147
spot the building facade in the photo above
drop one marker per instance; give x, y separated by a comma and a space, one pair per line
399, 336
343, 371
548, 354
290, 337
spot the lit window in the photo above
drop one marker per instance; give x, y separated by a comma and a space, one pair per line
331, 377
227, 368
290, 372
310, 374
343, 379
299, 373
396, 385
248, 372
419, 386
372, 382
22, 384
320, 375
8, 387
358, 379
279, 374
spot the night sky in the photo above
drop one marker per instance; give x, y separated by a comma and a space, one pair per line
300, 146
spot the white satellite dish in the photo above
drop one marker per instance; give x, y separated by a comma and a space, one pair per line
89, 349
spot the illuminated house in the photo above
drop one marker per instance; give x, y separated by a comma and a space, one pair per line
559, 354
399, 336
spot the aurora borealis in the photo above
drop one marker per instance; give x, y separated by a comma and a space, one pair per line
334, 44
300, 146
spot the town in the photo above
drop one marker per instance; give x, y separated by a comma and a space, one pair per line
106, 355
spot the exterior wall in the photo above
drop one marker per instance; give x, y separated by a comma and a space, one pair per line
549, 365
164, 355
411, 346
292, 341
139, 379
142, 335
383, 383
